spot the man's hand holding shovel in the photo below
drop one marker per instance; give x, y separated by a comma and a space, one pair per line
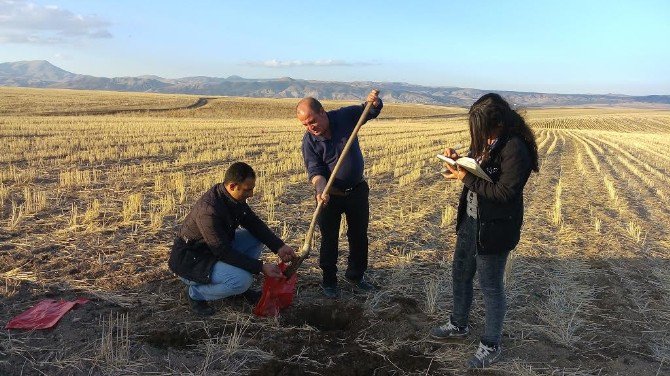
320, 186
286, 253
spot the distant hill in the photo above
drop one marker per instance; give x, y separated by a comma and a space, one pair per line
41, 73
32, 73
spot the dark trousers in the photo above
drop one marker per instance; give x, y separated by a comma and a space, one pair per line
356, 208
491, 273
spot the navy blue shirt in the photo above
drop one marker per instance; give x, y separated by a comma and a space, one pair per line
321, 154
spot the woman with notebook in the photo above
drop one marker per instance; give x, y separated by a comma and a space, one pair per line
490, 214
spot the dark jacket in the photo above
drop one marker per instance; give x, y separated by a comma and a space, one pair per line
207, 233
500, 204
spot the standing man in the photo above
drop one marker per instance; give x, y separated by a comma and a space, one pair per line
323, 142
216, 258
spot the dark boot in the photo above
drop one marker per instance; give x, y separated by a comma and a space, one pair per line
362, 285
330, 291
252, 296
200, 307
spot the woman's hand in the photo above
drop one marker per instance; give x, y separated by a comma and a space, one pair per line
451, 153
456, 173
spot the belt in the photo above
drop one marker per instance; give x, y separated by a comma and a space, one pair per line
345, 192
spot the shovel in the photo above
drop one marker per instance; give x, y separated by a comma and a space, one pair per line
304, 253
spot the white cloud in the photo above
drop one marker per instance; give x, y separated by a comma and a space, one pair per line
304, 63
22, 21
24, 38
61, 56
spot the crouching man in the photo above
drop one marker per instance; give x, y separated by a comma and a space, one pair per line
213, 255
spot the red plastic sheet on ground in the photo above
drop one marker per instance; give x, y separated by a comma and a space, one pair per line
278, 294
43, 315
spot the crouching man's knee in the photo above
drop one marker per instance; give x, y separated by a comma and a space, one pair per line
241, 284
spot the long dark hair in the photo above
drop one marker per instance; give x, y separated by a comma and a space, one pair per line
492, 111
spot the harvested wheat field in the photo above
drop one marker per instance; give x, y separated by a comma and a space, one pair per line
93, 185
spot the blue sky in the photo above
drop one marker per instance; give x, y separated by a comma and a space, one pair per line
545, 46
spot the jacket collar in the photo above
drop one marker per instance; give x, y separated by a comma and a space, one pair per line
221, 191
498, 144
236, 208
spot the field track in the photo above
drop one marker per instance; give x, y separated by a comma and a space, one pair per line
199, 103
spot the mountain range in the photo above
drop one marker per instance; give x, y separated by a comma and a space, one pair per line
42, 74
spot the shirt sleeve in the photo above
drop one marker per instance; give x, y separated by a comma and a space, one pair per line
211, 226
314, 164
351, 114
375, 111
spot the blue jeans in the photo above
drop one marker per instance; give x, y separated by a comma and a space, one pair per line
491, 273
228, 280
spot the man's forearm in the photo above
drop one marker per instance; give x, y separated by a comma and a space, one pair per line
319, 183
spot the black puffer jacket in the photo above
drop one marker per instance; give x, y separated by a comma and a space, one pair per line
207, 233
500, 204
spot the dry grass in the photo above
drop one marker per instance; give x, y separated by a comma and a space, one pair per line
114, 349
24, 101
88, 205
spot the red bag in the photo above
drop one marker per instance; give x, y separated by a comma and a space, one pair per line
43, 315
278, 294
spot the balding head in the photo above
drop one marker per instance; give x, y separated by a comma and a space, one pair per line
311, 114
309, 103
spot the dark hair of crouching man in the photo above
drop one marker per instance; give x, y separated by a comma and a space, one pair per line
217, 248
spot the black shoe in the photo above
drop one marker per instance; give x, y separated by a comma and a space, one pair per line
330, 291
362, 285
200, 307
252, 296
